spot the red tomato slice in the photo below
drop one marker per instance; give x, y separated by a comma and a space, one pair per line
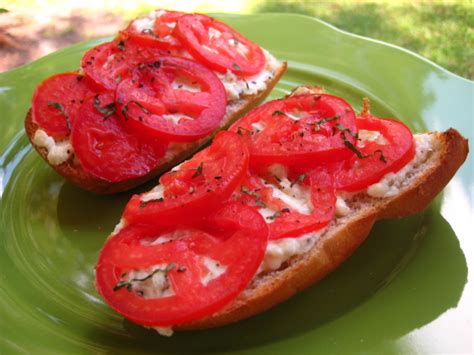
300, 130
378, 158
56, 101
173, 98
155, 29
198, 187
235, 242
219, 46
105, 149
285, 217
109, 63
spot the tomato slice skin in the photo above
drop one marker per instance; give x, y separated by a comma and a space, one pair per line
109, 63
315, 138
233, 228
356, 174
200, 186
57, 100
160, 35
151, 95
288, 222
219, 52
105, 149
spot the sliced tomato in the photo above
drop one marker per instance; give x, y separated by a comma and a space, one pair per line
109, 63
105, 149
375, 158
156, 30
234, 242
56, 101
304, 204
301, 130
199, 186
173, 98
219, 46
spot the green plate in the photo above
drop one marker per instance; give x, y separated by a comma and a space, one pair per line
405, 290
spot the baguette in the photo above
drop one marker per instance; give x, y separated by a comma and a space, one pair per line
416, 185
177, 152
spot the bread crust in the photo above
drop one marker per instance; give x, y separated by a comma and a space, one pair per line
72, 170
342, 238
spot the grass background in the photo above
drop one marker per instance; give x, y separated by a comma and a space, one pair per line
442, 31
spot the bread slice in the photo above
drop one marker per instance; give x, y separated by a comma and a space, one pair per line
177, 152
416, 186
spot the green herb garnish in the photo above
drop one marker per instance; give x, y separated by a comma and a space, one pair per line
106, 110
343, 128
155, 64
129, 284
60, 107
273, 216
317, 124
125, 108
257, 197
359, 153
242, 130
121, 45
278, 112
198, 170
236, 66
299, 179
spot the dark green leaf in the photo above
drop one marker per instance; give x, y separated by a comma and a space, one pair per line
198, 170
60, 107
299, 179
129, 284
359, 153
106, 110
236, 66
278, 112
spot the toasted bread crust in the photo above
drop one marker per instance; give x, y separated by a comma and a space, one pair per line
342, 238
73, 171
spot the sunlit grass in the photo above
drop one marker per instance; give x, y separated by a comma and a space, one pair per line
442, 31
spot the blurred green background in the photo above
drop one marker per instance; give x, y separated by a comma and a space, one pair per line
442, 31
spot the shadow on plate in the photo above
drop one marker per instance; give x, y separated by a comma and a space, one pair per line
349, 304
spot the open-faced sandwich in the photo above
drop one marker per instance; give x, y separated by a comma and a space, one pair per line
269, 208
148, 99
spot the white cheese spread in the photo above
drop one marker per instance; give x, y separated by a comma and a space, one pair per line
150, 287
165, 331
121, 225
278, 170
297, 197
391, 183
296, 115
258, 126
154, 194
236, 87
281, 250
214, 270
182, 83
370, 136
58, 152
176, 117
147, 23
164, 238
341, 207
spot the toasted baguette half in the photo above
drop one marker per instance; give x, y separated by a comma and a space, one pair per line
72, 170
344, 234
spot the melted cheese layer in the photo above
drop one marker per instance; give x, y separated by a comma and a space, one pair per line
58, 152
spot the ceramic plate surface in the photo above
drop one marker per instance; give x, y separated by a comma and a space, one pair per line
406, 290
